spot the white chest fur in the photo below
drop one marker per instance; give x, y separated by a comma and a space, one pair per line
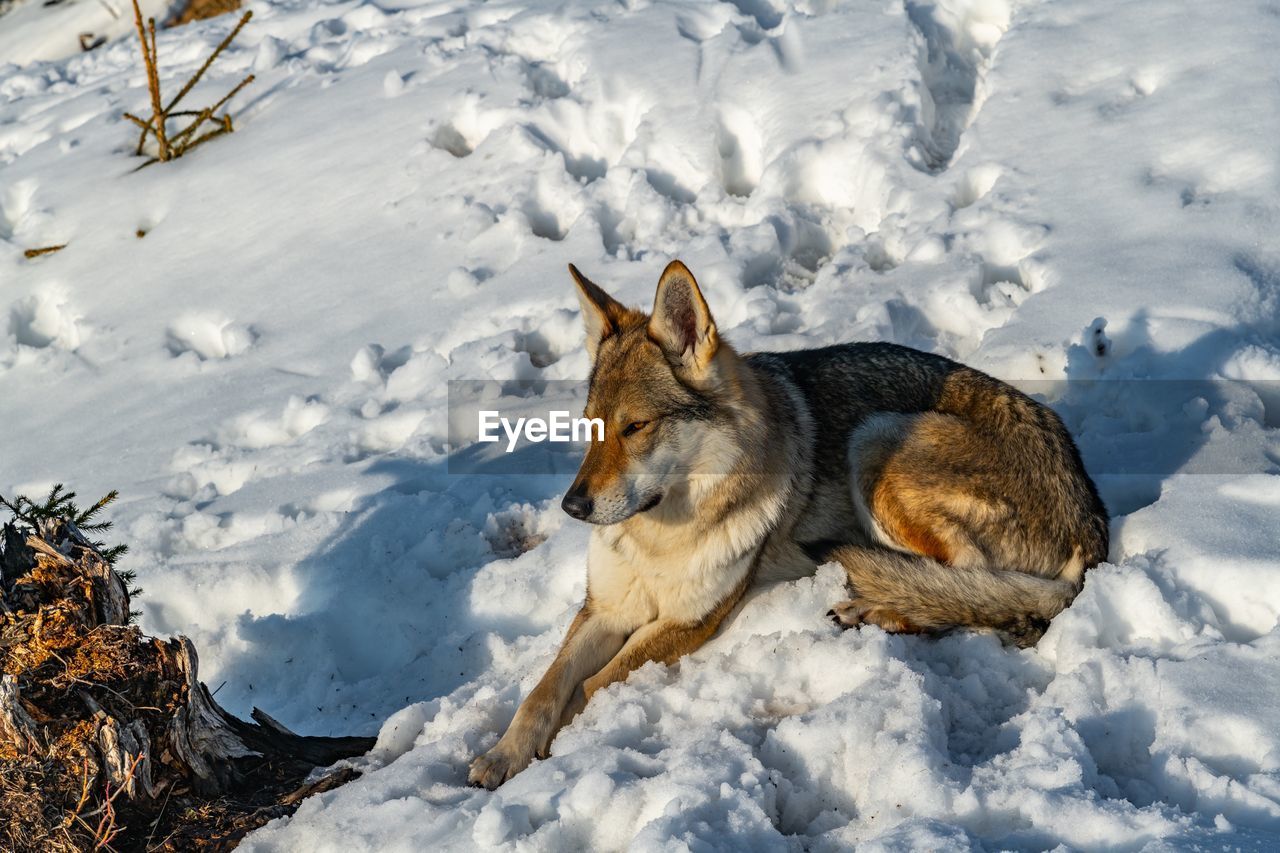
641, 572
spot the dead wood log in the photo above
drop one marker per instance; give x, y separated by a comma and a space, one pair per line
17, 729
315, 751
210, 741
15, 560
199, 734
126, 751
86, 696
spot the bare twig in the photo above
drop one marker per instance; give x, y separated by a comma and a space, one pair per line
155, 823
153, 80
47, 250
195, 78
169, 147
145, 125
85, 783
107, 829
245, 82
226, 128
183, 135
206, 114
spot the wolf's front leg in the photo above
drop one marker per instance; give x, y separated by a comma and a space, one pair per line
662, 641
587, 647
665, 640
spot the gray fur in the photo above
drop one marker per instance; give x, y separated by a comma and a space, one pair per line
1020, 516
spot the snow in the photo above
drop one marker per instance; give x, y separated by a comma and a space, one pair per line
1080, 195
36, 30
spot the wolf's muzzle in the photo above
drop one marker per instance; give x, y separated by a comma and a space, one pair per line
577, 504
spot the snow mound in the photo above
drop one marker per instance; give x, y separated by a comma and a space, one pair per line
1080, 197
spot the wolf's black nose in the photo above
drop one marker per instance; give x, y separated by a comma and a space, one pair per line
577, 504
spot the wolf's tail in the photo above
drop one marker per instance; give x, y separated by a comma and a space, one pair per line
928, 595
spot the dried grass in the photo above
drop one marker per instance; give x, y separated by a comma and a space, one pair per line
199, 10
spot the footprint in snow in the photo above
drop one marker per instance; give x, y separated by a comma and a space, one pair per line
46, 319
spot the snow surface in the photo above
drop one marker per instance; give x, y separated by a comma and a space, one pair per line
37, 29
1050, 191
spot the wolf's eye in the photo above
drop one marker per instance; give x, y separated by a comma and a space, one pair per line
633, 428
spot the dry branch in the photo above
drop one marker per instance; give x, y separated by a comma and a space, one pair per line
156, 126
17, 729
45, 250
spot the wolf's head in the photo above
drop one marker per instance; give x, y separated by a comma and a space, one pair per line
666, 388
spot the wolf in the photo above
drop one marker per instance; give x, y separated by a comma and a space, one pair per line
951, 499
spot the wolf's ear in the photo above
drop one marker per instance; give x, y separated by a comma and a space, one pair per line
681, 323
601, 313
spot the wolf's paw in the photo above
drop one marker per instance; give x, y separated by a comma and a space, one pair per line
497, 766
859, 611
1024, 633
